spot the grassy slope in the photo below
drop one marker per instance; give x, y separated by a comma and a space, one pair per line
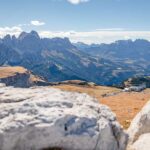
11, 71
6, 72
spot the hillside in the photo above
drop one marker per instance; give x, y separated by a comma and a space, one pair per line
130, 56
19, 77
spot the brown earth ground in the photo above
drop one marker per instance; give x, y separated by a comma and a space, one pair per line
125, 104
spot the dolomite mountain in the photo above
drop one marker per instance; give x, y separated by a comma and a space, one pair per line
58, 59
54, 59
42, 117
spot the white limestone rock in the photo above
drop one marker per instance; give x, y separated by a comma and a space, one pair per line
139, 130
43, 117
143, 142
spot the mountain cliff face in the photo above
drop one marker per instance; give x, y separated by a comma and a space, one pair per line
57, 59
8, 55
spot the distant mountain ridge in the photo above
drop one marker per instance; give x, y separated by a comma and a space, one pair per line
122, 49
128, 53
58, 59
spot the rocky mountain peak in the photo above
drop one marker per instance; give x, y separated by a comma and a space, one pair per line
25, 35
35, 34
61, 40
22, 35
14, 37
7, 40
7, 37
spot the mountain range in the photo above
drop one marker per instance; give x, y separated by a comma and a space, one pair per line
57, 59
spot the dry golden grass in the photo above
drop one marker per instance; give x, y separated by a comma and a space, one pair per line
34, 78
11, 71
94, 91
125, 104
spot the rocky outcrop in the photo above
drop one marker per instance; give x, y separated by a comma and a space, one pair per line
43, 117
19, 77
139, 131
18, 80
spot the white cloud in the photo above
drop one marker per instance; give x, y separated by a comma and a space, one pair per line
97, 36
110, 29
77, 1
104, 36
37, 23
10, 30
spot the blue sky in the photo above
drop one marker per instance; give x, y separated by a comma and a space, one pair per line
104, 20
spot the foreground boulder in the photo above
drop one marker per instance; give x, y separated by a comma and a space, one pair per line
43, 117
139, 131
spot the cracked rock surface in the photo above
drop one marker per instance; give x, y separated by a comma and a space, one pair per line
43, 117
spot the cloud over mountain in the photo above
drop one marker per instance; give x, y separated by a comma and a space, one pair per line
107, 35
98, 36
15, 30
